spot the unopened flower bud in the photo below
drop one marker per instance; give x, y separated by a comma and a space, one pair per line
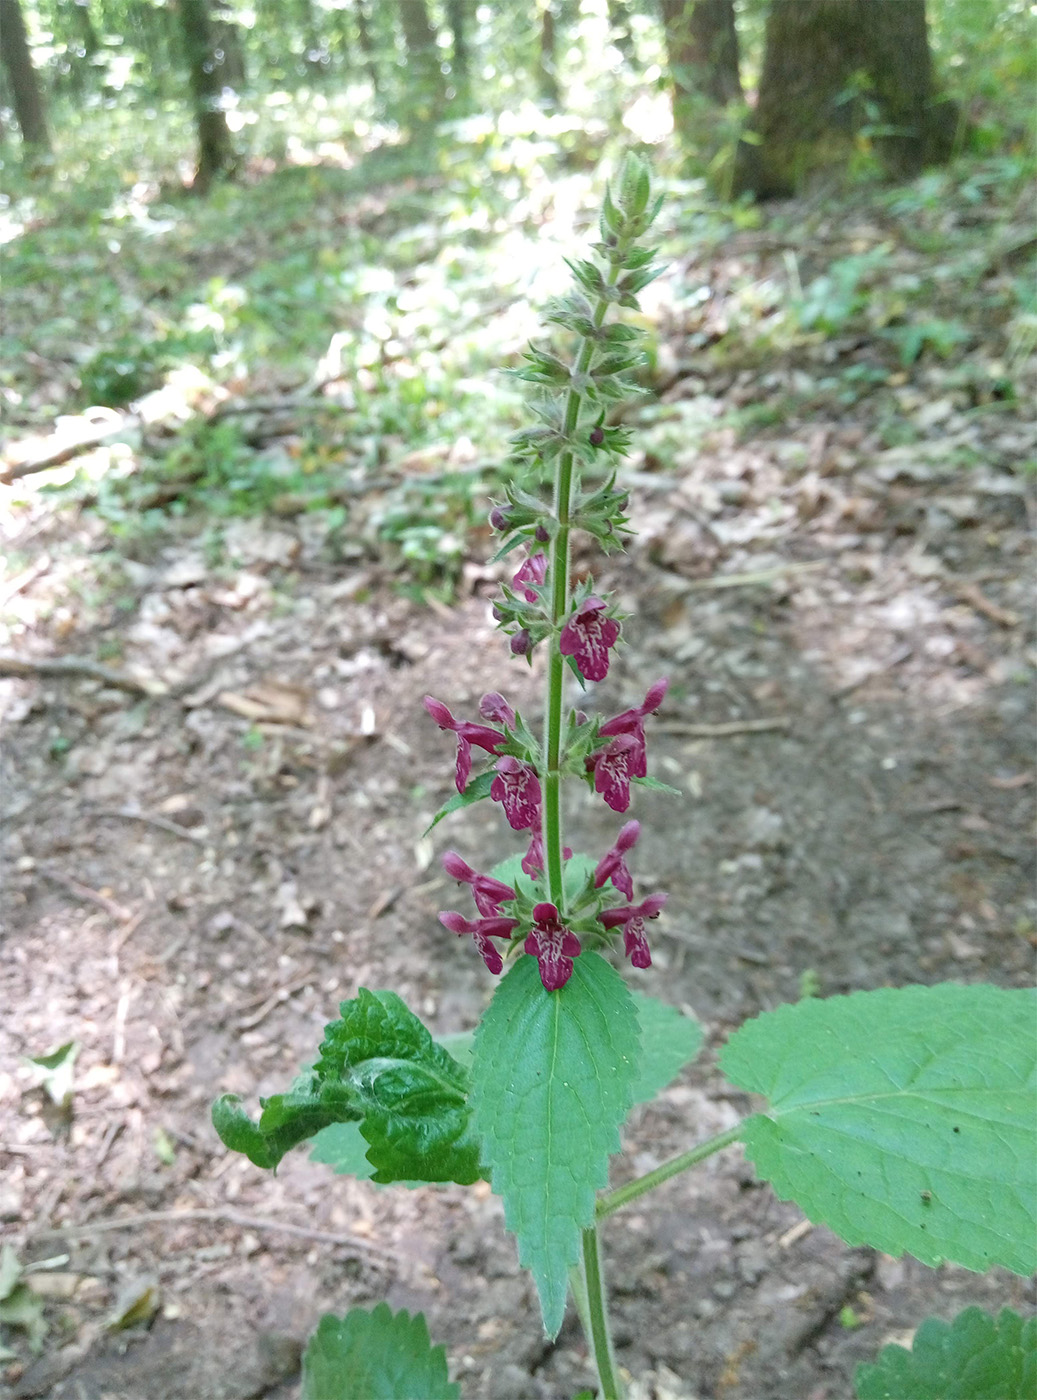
541, 535
597, 437
499, 518
520, 642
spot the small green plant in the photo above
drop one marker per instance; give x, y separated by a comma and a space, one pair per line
901, 1118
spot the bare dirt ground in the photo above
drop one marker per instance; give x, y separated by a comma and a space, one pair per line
194, 880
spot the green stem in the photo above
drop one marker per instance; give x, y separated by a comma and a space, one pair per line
623, 1195
552, 774
598, 1317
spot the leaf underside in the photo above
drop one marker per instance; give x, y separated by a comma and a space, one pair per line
376, 1355
904, 1119
975, 1357
552, 1080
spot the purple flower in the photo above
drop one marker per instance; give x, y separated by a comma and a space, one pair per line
613, 866
467, 734
494, 706
482, 930
521, 642
532, 572
613, 768
587, 636
632, 918
553, 945
533, 860
489, 894
625, 757
517, 788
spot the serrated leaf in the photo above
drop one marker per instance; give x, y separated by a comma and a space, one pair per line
380, 1068
903, 1119
669, 1041
413, 1093
376, 1355
552, 1081
285, 1120
475, 791
975, 1357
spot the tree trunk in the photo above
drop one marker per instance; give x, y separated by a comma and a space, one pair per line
204, 71
547, 58
619, 28
457, 18
702, 53
25, 84
366, 42
842, 77
424, 78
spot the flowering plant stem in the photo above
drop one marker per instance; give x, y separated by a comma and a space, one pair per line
552, 777
596, 1319
878, 1106
623, 1195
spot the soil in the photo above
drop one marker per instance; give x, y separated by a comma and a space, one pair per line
194, 880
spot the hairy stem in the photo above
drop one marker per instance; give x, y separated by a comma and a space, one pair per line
623, 1195
599, 1335
559, 575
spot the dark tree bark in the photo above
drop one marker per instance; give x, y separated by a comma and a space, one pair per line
367, 45
205, 72
547, 57
702, 53
457, 18
833, 69
619, 25
26, 92
226, 35
425, 80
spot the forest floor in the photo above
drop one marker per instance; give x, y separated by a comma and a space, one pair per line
834, 560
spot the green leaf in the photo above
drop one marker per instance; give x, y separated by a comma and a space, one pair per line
975, 1357
669, 1040
903, 1119
475, 791
343, 1148
654, 785
552, 1081
54, 1072
380, 1067
376, 1355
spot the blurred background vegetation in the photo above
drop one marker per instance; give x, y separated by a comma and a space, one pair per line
272, 254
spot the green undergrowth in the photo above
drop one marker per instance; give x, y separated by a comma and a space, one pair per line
404, 272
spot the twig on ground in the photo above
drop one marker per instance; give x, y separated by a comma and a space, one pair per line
897, 659
270, 1003
59, 666
220, 1216
758, 576
970, 593
723, 731
130, 814
59, 448
85, 893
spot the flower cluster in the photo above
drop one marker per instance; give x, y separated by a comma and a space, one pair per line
550, 904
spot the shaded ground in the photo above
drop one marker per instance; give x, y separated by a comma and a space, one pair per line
869, 599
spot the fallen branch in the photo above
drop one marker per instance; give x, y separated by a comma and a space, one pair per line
60, 666
64, 449
723, 731
130, 814
86, 894
219, 1216
759, 576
